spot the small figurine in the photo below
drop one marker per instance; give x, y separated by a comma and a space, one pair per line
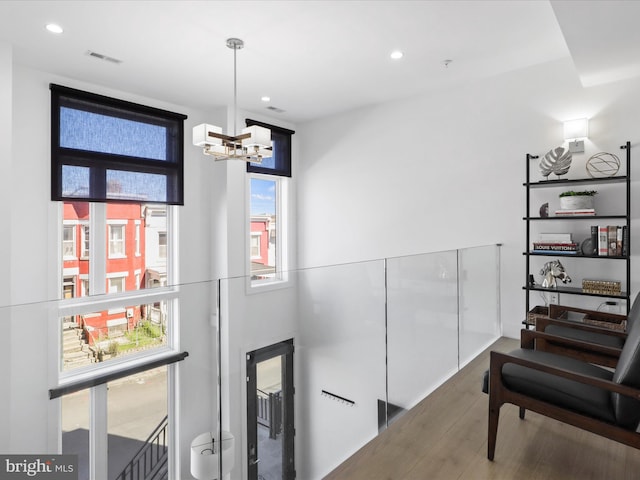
552, 271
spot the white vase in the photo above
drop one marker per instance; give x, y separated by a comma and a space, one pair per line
576, 202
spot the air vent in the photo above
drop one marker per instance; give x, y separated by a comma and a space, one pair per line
275, 109
106, 58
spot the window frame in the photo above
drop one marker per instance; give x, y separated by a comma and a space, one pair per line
281, 277
121, 224
85, 234
137, 225
101, 300
70, 227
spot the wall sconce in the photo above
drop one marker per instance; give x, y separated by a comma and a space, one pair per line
575, 129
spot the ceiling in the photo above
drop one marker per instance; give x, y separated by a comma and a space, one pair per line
316, 58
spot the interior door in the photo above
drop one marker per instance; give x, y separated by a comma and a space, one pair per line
270, 419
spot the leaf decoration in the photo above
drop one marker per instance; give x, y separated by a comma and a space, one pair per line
556, 161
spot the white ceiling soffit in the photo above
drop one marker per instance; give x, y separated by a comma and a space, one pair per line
313, 58
603, 38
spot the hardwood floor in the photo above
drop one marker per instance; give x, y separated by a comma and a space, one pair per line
445, 437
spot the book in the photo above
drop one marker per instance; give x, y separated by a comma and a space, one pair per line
594, 239
555, 238
557, 252
612, 241
556, 247
603, 240
584, 212
625, 240
619, 240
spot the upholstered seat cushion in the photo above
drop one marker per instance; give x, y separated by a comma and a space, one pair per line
585, 336
559, 391
628, 373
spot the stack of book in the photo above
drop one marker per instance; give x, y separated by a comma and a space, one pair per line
611, 240
584, 212
556, 243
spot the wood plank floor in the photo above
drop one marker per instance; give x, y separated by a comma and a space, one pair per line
445, 437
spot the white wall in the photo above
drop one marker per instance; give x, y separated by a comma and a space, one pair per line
31, 222
444, 170
6, 112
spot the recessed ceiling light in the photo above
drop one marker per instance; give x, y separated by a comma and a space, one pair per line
396, 55
54, 28
266, 99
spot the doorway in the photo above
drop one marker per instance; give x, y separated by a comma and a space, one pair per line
270, 426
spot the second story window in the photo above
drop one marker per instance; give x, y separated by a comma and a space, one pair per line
137, 238
84, 252
69, 241
117, 241
162, 245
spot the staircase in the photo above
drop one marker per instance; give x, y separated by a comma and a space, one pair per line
151, 461
75, 349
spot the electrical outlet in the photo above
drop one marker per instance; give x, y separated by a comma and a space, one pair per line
553, 298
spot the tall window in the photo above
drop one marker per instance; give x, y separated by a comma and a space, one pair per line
267, 216
117, 167
267, 209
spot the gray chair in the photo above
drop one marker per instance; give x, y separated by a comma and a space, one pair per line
582, 340
569, 390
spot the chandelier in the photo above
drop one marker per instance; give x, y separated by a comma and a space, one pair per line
252, 145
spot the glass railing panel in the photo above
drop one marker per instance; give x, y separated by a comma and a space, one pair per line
252, 319
422, 308
334, 319
342, 363
479, 300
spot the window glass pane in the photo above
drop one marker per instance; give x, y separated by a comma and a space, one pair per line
116, 240
263, 228
137, 426
75, 181
75, 270
280, 161
84, 251
143, 187
136, 255
94, 132
109, 334
75, 429
137, 239
69, 241
162, 245
269, 162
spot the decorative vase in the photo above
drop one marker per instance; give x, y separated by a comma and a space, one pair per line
576, 202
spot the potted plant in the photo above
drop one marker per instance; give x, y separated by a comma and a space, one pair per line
577, 200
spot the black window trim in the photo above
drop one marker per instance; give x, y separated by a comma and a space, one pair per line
283, 170
100, 162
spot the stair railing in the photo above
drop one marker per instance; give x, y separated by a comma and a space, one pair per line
150, 462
